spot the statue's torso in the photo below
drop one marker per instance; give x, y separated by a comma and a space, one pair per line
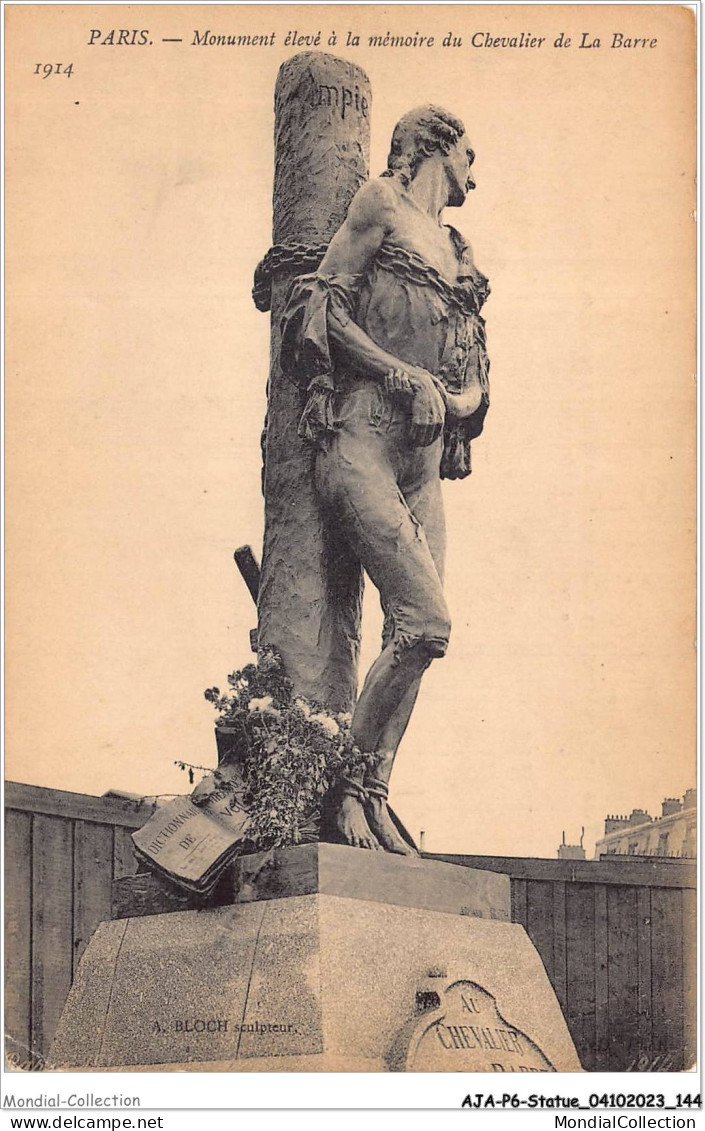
420, 300
408, 304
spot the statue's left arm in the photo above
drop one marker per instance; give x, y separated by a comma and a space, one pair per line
459, 406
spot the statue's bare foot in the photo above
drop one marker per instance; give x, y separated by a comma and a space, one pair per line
384, 828
350, 822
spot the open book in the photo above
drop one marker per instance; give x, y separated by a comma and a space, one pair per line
191, 843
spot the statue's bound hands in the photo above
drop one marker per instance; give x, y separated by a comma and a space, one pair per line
427, 402
397, 383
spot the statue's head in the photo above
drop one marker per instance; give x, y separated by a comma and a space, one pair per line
426, 131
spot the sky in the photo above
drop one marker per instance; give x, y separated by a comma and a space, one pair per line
138, 204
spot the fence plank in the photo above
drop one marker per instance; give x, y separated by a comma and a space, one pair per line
77, 806
690, 977
124, 859
602, 1032
675, 872
52, 924
667, 978
518, 901
92, 882
623, 977
580, 970
644, 1006
18, 919
559, 944
539, 920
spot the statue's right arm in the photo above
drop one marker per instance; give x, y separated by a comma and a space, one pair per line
351, 251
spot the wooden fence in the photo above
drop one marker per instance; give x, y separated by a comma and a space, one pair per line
62, 852
617, 937
618, 940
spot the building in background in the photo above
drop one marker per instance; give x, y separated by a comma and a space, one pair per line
673, 834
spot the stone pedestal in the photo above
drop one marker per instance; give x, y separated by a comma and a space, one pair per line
350, 980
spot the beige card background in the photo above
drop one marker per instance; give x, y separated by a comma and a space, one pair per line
139, 202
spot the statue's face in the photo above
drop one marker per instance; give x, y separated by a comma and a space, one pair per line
458, 165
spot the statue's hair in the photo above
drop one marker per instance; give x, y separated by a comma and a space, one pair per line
420, 133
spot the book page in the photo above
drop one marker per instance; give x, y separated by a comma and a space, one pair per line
183, 840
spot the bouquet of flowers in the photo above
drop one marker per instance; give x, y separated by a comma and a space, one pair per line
284, 753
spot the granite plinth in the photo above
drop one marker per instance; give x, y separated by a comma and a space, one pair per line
317, 982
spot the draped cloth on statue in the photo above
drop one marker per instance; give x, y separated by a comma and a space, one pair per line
408, 309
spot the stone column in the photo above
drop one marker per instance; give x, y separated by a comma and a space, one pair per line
310, 589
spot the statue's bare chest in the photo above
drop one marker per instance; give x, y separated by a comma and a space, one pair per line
422, 235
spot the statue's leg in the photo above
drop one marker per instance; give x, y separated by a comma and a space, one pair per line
426, 504
393, 548
394, 731
407, 667
357, 479
423, 496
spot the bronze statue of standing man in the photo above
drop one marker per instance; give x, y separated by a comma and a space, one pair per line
387, 339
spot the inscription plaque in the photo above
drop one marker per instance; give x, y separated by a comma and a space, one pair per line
467, 1033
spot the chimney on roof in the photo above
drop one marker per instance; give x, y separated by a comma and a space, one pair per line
613, 823
670, 805
638, 817
571, 851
